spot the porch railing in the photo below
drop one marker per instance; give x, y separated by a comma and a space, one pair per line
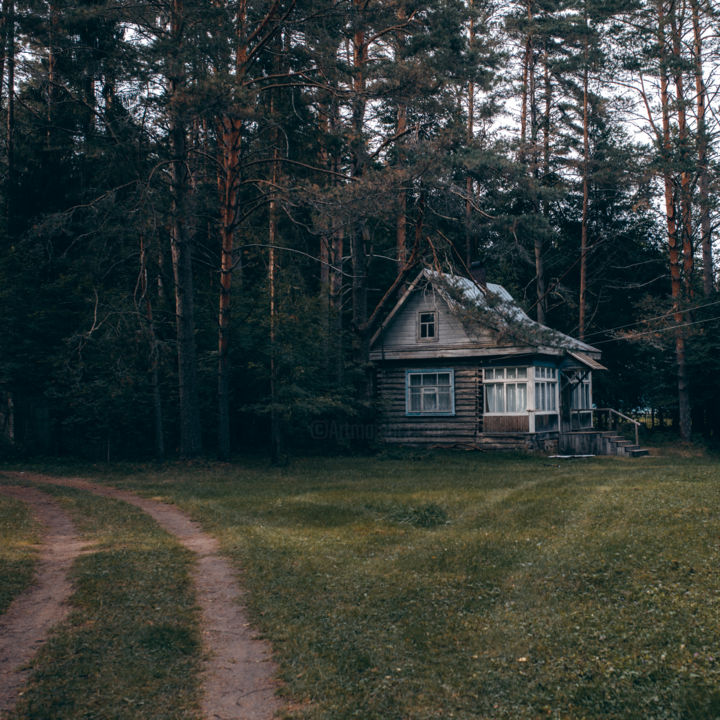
604, 419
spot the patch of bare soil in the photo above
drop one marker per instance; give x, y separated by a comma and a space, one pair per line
31, 616
239, 677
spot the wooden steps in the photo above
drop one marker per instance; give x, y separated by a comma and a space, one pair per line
596, 442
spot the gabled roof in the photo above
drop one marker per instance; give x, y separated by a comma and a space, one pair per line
490, 305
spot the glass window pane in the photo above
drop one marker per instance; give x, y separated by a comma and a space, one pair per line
552, 395
521, 397
511, 396
429, 399
415, 400
415, 379
522, 372
489, 373
494, 399
443, 378
429, 379
499, 398
444, 404
511, 373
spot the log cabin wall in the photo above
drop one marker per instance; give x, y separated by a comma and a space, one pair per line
506, 423
468, 426
396, 426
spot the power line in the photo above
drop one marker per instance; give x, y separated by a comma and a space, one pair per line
653, 332
657, 317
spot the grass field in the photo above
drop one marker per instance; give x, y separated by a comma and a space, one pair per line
465, 585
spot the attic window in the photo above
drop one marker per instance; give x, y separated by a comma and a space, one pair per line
427, 326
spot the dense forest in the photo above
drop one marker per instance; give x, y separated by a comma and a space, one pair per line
206, 207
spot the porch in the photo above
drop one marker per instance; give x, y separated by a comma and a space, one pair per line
601, 431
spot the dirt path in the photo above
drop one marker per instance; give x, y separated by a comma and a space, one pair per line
30, 617
239, 677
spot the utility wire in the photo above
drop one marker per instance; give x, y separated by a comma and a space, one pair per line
653, 332
657, 317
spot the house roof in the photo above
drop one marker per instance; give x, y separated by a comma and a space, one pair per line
492, 305
586, 360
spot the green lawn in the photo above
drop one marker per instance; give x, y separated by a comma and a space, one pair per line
467, 585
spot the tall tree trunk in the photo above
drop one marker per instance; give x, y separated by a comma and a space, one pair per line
538, 244
9, 47
181, 245
7, 10
158, 424
702, 155
53, 23
529, 152
331, 247
336, 290
469, 139
527, 63
230, 129
401, 218
401, 127
358, 239
685, 161
582, 301
230, 135
672, 232
275, 429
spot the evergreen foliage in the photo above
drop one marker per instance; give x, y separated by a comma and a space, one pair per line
285, 161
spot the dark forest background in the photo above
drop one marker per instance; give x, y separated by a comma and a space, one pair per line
207, 206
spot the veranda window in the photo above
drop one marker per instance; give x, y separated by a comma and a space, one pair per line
581, 396
506, 390
430, 392
546, 387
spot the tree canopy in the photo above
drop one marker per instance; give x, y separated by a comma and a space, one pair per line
207, 207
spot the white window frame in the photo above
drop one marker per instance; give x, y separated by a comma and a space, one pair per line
509, 379
426, 390
581, 397
421, 324
545, 380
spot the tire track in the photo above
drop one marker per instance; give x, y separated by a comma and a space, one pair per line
239, 676
31, 616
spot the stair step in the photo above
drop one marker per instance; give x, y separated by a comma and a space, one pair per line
606, 442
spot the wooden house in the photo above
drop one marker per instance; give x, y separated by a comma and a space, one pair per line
459, 363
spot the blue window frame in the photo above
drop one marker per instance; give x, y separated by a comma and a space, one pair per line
430, 392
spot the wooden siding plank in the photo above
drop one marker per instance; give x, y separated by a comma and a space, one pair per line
401, 333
